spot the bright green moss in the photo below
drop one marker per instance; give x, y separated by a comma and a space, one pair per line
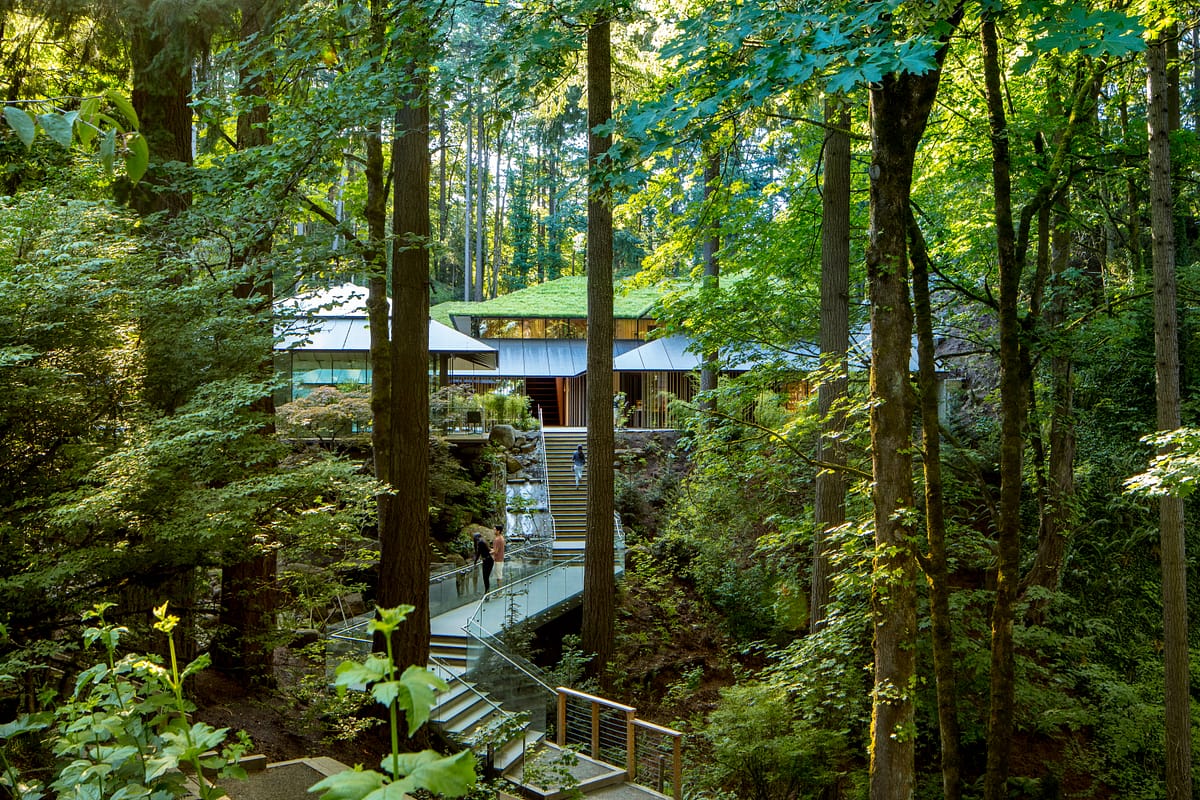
562, 298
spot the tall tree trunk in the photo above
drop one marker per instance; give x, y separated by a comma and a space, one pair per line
553, 223
249, 598
1134, 210
498, 215
1174, 113
1057, 513
900, 106
404, 543
1012, 407
375, 257
1166, 348
161, 97
937, 572
829, 506
468, 188
599, 605
712, 266
1194, 89
481, 211
444, 271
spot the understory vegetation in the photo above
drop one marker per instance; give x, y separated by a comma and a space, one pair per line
930, 271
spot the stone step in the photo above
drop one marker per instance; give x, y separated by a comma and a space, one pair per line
514, 750
464, 714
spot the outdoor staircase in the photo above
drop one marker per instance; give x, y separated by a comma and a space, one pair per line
568, 504
449, 650
463, 711
466, 712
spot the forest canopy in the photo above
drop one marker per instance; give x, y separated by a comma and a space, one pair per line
947, 557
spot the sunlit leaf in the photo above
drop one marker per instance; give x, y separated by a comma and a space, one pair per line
58, 127
352, 784
138, 158
124, 107
21, 123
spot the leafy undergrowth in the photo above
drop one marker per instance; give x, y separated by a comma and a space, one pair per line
673, 655
284, 723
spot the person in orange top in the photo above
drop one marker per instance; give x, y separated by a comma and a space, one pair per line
498, 555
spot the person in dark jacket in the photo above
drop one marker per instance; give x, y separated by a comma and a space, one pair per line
484, 553
578, 461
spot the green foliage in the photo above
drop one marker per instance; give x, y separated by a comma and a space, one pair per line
764, 752
326, 413
413, 694
457, 496
1175, 470
125, 732
82, 125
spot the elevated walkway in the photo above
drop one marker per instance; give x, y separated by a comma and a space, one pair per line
498, 703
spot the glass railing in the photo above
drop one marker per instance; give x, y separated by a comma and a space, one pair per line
494, 659
462, 586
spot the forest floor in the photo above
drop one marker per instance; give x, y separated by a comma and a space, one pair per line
282, 725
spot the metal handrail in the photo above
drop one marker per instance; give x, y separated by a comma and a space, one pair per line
469, 568
546, 473
475, 628
529, 670
450, 678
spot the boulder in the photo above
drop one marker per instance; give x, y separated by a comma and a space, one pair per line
503, 436
512, 465
303, 637
474, 528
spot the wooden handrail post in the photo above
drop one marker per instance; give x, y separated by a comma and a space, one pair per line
595, 730
678, 793
630, 745
562, 718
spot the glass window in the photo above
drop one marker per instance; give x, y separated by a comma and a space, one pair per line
499, 328
558, 329
625, 329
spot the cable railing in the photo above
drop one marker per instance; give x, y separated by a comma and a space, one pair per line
651, 755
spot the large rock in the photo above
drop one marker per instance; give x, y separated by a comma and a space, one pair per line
512, 465
474, 528
503, 436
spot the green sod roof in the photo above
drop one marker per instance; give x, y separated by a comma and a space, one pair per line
562, 298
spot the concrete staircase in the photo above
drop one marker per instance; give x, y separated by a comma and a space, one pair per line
466, 714
450, 650
568, 504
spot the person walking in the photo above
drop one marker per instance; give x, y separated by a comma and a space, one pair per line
498, 555
483, 553
578, 461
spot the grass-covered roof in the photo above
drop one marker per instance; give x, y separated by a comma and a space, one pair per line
562, 298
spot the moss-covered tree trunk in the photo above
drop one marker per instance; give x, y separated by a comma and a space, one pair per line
1012, 407
1166, 348
937, 572
893, 593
